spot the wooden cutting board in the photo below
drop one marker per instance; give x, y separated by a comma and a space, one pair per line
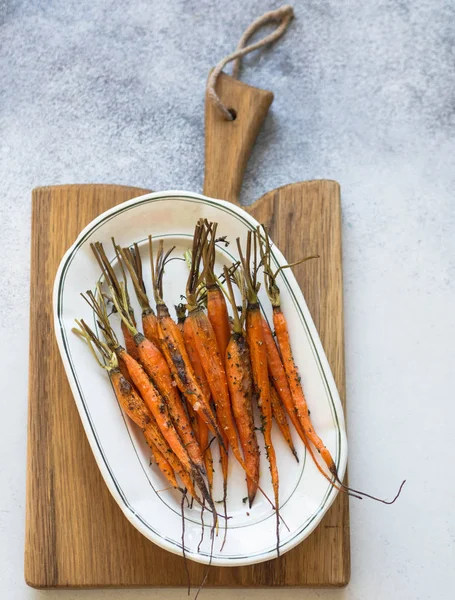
76, 536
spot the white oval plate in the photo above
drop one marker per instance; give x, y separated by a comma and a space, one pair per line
119, 449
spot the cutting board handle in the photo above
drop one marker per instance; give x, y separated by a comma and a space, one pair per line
228, 144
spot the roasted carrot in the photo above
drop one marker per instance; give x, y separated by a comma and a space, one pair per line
112, 280
258, 355
282, 336
216, 304
240, 383
173, 346
280, 419
207, 346
218, 316
132, 259
280, 383
290, 368
203, 432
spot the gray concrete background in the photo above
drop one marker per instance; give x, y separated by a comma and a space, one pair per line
106, 91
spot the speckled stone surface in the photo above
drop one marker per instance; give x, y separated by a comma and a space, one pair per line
106, 91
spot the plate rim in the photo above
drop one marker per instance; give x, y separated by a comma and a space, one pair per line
168, 195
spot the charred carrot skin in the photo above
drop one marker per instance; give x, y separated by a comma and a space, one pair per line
292, 375
157, 369
238, 371
175, 353
217, 313
280, 419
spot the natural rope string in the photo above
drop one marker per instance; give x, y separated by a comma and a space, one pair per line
283, 16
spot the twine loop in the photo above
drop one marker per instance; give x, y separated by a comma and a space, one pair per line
283, 16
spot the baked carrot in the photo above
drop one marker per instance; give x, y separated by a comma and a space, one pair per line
290, 368
203, 432
217, 311
207, 346
280, 383
112, 280
132, 259
280, 419
173, 347
258, 355
240, 383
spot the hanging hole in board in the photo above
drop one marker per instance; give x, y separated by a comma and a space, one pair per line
233, 113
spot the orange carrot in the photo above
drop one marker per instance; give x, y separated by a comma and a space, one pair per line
240, 383
280, 419
238, 370
203, 432
261, 381
151, 397
176, 355
135, 408
132, 259
206, 344
280, 383
290, 368
157, 407
157, 369
216, 304
207, 348
258, 355
218, 316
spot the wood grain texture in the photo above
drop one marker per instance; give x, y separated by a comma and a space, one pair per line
228, 144
76, 536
